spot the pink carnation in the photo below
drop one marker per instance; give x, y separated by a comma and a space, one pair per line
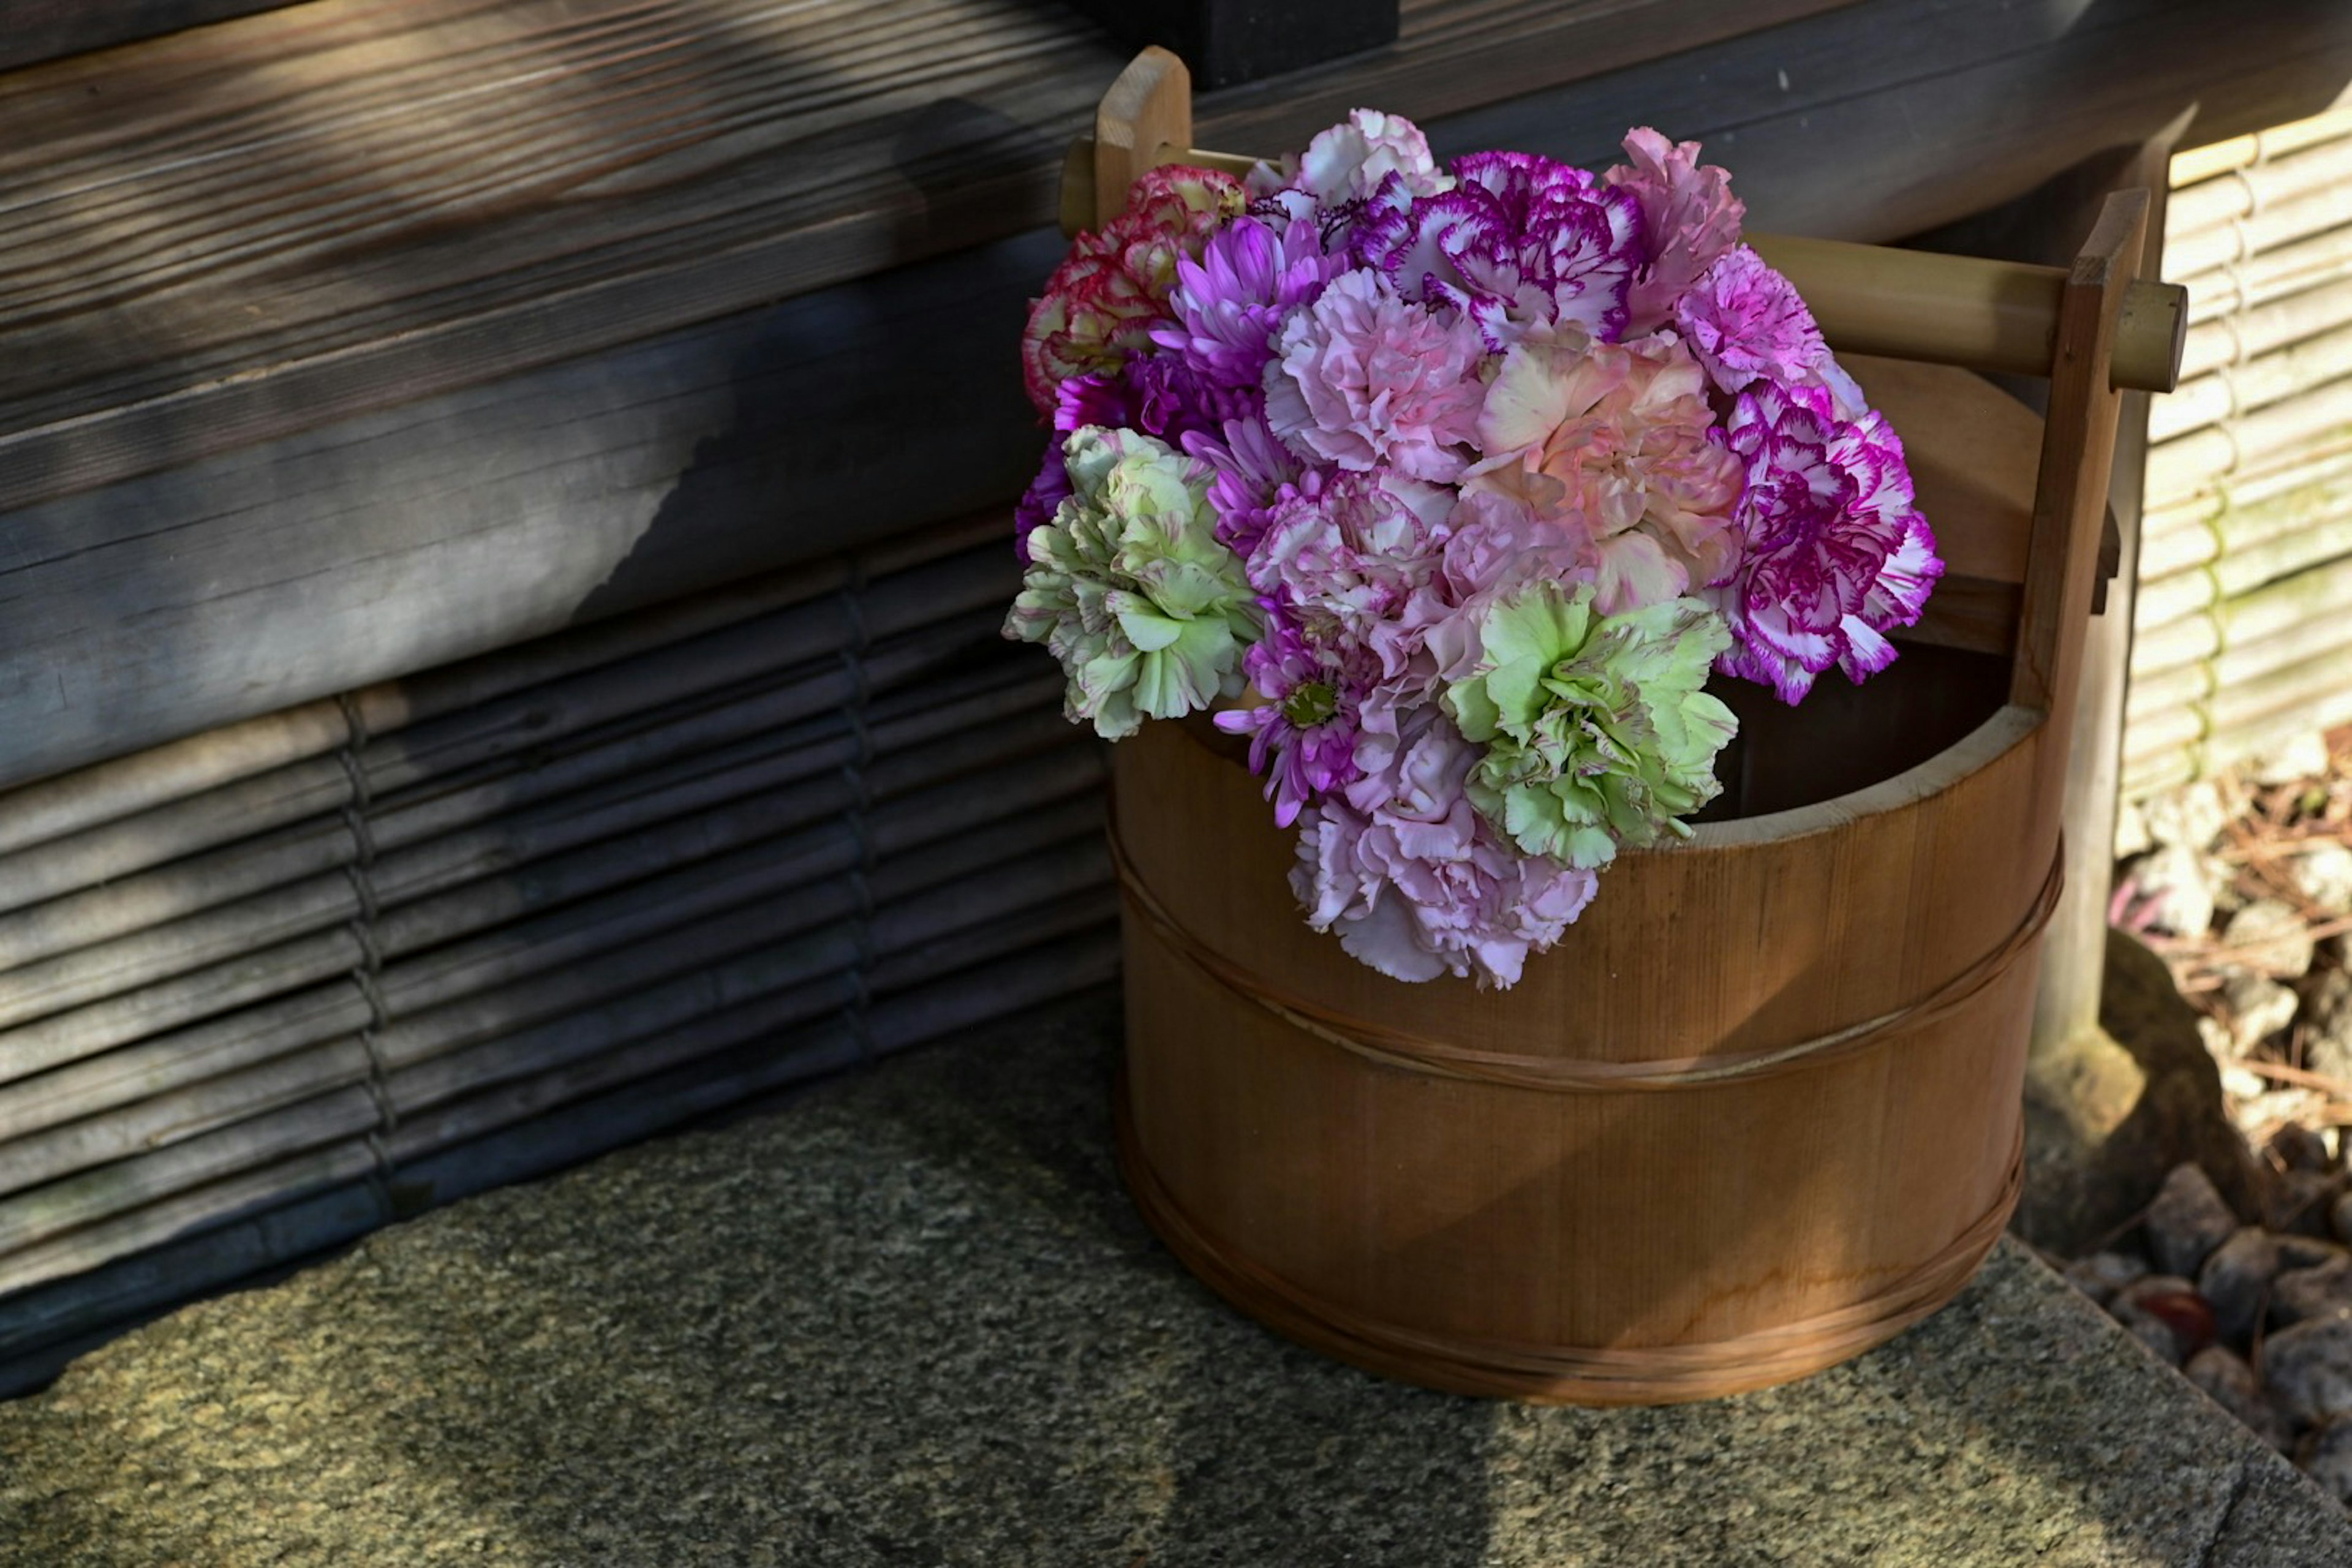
1360, 377
1410, 876
1689, 217
1101, 304
1836, 550
1616, 441
1747, 323
1347, 550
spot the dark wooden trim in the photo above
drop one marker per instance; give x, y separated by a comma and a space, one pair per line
33, 31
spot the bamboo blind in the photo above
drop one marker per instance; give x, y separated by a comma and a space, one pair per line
2244, 617
266, 989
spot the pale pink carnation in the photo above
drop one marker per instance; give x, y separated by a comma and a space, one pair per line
1747, 323
1689, 217
1616, 439
1411, 877
1361, 378
1354, 159
1347, 551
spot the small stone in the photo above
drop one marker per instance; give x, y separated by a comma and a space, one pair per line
2322, 873
2326, 1456
2306, 1202
2302, 757
2177, 888
2102, 1274
2238, 1082
2298, 1147
2187, 1221
2193, 816
2172, 1302
2236, 1279
2327, 1024
2132, 836
2230, 1384
2323, 1291
2309, 1367
2270, 936
2257, 1007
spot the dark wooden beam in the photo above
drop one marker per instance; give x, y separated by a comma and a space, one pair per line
32, 31
1226, 42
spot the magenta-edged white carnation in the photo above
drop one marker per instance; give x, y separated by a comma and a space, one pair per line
1689, 217
1362, 377
1229, 303
1836, 550
1414, 881
1520, 243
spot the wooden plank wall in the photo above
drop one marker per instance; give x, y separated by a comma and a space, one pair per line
392, 539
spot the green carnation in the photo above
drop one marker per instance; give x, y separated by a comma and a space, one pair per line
1596, 731
1129, 587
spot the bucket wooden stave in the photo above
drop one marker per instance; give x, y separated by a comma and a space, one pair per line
1644, 1198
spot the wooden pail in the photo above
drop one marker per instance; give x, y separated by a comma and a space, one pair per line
1760, 1109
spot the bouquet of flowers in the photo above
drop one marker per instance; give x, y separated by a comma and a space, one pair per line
1447, 487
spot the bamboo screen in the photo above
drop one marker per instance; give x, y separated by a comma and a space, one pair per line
2245, 619
266, 989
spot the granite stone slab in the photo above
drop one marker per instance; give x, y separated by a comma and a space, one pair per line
909, 1319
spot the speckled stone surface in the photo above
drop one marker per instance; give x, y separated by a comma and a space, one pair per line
910, 1319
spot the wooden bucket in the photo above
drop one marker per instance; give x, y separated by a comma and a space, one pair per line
1760, 1109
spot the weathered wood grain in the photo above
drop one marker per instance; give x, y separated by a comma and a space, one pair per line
224, 235
32, 31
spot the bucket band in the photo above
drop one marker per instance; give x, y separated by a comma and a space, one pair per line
1420, 1054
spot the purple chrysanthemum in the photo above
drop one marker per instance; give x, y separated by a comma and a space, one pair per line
1521, 241
1229, 304
1836, 551
1253, 470
1303, 737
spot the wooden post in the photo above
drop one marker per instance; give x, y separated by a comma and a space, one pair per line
1233, 41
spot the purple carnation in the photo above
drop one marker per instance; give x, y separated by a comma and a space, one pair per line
1520, 242
1303, 738
1413, 880
1836, 551
1229, 304
1361, 378
1689, 217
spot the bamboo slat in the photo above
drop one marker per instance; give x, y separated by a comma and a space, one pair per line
2273, 227
75, 802
2215, 158
541, 972
2266, 329
458, 724
2268, 275
2238, 389
202, 908
89, 1077
2321, 164
2281, 434
628, 1037
204, 1239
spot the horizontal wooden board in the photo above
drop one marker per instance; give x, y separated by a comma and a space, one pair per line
228, 235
